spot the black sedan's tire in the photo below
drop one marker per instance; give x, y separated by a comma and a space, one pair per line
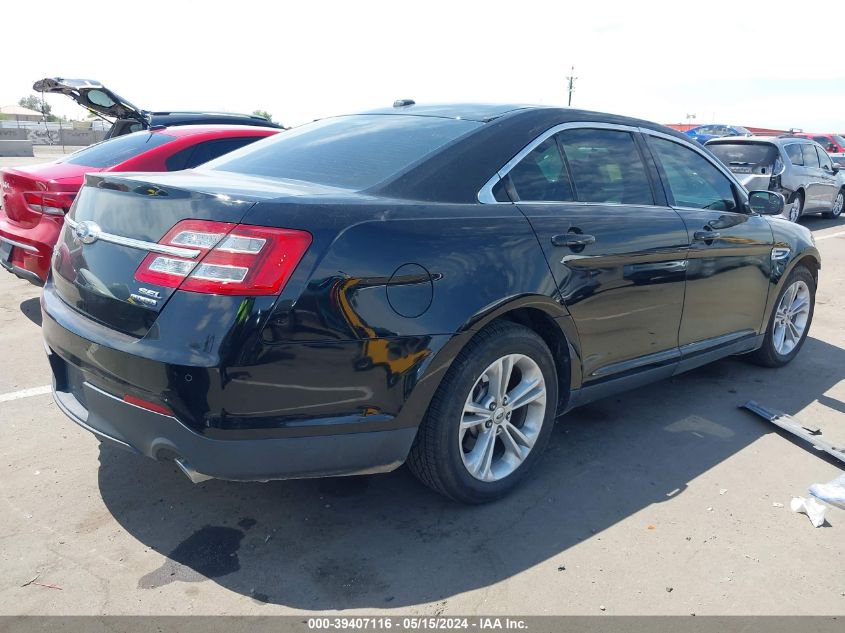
491, 417
790, 320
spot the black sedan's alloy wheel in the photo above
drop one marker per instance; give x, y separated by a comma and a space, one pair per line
790, 320
491, 417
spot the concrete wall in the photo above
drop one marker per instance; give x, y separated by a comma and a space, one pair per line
15, 148
52, 135
13, 134
80, 137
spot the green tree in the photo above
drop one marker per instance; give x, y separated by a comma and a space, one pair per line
34, 102
264, 114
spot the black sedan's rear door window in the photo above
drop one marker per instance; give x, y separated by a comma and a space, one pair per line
606, 166
541, 176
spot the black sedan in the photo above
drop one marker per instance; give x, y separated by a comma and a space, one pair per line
430, 284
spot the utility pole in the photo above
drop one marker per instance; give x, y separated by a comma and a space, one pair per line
571, 79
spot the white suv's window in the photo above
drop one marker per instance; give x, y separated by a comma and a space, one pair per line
811, 159
824, 159
794, 153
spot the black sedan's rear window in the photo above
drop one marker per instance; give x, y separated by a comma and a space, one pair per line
744, 153
116, 150
351, 152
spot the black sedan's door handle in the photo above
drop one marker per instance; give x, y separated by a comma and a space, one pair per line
706, 236
573, 239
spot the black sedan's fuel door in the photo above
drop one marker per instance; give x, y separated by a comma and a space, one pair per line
93, 96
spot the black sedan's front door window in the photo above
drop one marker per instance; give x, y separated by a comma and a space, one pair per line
729, 259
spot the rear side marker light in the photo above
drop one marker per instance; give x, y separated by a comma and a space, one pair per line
234, 259
49, 203
146, 404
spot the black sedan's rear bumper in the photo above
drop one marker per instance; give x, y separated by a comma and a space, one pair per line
161, 437
299, 410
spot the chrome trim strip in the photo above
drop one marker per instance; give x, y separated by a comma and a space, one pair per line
688, 349
25, 247
678, 354
779, 254
485, 194
152, 247
657, 358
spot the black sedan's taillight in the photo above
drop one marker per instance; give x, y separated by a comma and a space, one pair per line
234, 259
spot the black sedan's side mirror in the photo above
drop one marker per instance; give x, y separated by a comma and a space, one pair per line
766, 202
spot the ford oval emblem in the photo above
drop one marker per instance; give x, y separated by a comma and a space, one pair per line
87, 232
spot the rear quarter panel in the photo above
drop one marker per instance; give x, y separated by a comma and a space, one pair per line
405, 287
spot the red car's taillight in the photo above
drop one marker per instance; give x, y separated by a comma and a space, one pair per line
48, 202
234, 259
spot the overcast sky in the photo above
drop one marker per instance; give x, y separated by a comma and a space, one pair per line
750, 63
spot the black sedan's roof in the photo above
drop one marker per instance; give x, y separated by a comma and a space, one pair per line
458, 171
481, 112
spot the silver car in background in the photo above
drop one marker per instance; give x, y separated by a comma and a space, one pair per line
798, 168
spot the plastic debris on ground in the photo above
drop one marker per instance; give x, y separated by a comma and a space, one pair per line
833, 492
812, 508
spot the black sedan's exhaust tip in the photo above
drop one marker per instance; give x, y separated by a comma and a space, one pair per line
195, 476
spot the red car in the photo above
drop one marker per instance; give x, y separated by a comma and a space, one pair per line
35, 198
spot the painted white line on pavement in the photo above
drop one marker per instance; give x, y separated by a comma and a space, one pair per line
25, 393
829, 235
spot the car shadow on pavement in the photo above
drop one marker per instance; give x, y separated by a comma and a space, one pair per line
386, 541
819, 223
31, 309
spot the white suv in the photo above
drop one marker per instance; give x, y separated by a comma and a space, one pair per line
799, 168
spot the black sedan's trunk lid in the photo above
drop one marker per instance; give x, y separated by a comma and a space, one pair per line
116, 221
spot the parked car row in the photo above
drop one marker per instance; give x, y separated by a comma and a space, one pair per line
422, 284
35, 199
795, 166
704, 133
128, 118
834, 144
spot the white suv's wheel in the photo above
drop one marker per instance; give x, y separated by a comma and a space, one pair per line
795, 208
838, 204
